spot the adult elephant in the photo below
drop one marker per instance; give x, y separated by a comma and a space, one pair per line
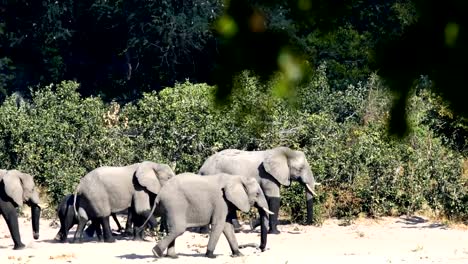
17, 188
271, 168
107, 190
189, 200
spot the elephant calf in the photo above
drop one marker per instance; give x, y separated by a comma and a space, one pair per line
189, 200
68, 219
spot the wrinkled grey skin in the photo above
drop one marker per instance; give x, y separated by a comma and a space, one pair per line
107, 190
271, 168
189, 200
17, 188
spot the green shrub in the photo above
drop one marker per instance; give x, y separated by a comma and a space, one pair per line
59, 137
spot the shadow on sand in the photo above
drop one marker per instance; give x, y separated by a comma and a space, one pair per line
419, 222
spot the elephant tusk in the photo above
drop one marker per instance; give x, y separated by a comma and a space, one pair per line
268, 211
310, 190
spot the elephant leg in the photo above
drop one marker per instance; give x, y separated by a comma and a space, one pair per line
139, 220
128, 226
274, 205
119, 227
163, 224
175, 230
67, 221
228, 232
96, 226
92, 228
254, 223
216, 230
236, 225
108, 238
138, 230
78, 238
171, 250
11, 217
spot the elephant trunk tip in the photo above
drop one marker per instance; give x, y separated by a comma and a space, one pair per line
36, 235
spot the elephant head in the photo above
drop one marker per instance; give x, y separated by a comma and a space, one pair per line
153, 176
285, 165
244, 192
150, 176
20, 188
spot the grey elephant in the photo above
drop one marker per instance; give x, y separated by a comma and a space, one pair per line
189, 200
107, 190
271, 168
17, 188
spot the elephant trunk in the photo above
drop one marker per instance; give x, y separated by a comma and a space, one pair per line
310, 208
262, 203
310, 193
35, 216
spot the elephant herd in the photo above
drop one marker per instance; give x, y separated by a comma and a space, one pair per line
228, 181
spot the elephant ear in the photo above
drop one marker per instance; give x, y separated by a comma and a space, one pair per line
13, 187
236, 194
146, 175
276, 164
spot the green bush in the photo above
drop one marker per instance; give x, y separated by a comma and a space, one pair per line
59, 137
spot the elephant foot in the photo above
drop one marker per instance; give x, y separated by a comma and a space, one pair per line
157, 252
77, 241
19, 246
138, 238
127, 232
172, 256
210, 254
237, 254
109, 240
274, 232
60, 238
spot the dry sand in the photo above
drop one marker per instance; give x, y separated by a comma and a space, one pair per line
387, 240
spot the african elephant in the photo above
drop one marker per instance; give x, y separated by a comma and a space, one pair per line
271, 168
189, 200
68, 219
15, 188
107, 190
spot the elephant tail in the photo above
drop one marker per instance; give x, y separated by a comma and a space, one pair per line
75, 194
155, 204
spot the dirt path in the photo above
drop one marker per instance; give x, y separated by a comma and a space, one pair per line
388, 240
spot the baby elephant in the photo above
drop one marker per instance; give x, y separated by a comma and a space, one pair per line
190, 200
68, 219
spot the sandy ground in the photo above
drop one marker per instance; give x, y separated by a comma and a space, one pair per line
387, 240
